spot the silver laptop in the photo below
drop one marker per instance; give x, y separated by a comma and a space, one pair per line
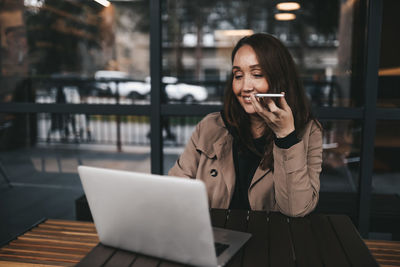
162, 216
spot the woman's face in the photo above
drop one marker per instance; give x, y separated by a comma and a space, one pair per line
248, 78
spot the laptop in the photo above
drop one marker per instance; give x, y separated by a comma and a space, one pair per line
161, 216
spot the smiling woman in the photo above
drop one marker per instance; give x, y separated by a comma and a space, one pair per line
258, 154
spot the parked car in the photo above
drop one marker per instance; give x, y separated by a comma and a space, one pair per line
185, 92
106, 81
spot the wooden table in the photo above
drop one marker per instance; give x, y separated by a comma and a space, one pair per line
51, 243
316, 240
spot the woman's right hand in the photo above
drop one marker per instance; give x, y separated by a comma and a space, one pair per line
279, 120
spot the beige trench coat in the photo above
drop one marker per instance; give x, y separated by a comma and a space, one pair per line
292, 188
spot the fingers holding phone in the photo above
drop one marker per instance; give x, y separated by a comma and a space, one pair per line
278, 116
268, 100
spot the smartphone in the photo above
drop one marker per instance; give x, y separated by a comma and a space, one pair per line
269, 95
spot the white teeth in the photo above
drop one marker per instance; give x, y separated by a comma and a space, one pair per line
247, 98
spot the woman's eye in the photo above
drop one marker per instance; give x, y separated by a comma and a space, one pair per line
238, 76
258, 75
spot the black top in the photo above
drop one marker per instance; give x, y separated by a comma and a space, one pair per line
246, 164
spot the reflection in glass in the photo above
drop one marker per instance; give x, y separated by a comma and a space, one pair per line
42, 167
386, 179
197, 39
101, 53
385, 204
389, 64
180, 129
17, 130
93, 129
341, 156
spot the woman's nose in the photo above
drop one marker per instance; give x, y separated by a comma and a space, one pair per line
247, 84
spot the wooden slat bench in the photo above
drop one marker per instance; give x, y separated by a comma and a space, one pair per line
386, 253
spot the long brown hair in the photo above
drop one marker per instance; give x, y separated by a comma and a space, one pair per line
280, 71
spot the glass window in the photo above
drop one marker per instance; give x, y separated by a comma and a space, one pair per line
341, 156
58, 136
91, 129
340, 168
176, 133
92, 53
387, 143
39, 156
385, 204
198, 37
60, 146
389, 67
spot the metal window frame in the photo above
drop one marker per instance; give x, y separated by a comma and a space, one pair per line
372, 52
368, 114
155, 74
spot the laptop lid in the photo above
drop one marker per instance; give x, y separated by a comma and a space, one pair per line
161, 216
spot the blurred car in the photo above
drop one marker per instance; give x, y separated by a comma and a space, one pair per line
106, 82
187, 93
184, 92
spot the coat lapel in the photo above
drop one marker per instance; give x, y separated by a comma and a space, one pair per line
259, 174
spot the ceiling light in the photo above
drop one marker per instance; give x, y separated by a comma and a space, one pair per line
394, 71
103, 2
288, 6
285, 16
235, 32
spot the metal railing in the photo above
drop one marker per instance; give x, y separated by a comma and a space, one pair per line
100, 129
